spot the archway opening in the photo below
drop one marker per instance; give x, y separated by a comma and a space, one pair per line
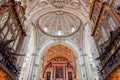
59, 63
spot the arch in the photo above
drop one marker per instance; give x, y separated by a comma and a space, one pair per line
36, 14
59, 50
75, 50
66, 43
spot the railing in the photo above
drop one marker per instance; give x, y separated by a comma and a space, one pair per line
111, 64
111, 61
106, 47
4, 59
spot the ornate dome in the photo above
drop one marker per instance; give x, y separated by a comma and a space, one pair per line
59, 23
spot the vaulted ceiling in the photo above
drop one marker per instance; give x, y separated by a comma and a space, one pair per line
59, 23
56, 17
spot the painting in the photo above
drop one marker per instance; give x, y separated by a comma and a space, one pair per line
59, 71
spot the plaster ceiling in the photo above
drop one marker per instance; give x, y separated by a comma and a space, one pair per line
56, 17
59, 23
67, 17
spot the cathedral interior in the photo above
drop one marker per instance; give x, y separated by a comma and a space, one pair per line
59, 39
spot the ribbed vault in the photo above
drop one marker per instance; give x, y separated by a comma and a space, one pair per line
59, 23
58, 18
